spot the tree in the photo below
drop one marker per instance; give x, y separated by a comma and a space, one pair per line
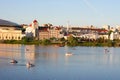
109, 33
62, 39
72, 41
46, 42
27, 39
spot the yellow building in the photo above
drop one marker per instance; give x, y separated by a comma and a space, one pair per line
10, 34
10, 31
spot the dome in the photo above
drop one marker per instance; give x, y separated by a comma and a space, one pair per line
9, 23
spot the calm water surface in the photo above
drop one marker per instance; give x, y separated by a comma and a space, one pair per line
51, 63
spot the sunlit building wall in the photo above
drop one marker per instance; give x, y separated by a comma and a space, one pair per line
10, 34
47, 33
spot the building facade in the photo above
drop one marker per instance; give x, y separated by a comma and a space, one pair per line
10, 34
32, 30
50, 32
89, 33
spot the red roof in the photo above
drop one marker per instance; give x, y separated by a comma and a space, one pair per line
99, 30
35, 21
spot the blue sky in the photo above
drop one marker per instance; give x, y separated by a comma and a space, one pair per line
59, 12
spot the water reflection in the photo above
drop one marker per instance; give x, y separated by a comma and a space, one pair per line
10, 51
51, 53
52, 61
28, 52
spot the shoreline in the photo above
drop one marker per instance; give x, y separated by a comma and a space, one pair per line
84, 44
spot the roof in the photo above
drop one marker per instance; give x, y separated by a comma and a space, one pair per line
35, 21
5, 23
99, 30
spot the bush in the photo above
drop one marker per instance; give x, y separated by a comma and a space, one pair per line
46, 42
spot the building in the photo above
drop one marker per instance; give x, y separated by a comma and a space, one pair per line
32, 30
50, 32
107, 27
10, 30
89, 33
43, 33
55, 31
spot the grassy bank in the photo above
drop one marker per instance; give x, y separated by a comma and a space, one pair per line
48, 42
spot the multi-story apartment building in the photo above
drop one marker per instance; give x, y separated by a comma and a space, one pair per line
43, 33
50, 32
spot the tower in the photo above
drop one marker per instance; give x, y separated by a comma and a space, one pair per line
35, 25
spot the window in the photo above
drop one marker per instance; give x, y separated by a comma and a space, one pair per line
12, 37
19, 37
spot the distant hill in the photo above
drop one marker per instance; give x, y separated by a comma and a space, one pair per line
7, 23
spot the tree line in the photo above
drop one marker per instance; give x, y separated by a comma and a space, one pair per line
71, 41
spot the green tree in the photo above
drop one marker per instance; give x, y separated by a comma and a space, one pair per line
62, 39
109, 33
46, 42
72, 41
27, 39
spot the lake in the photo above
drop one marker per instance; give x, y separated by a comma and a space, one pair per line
52, 63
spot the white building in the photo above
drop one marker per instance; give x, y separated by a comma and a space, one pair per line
32, 29
114, 35
107, 27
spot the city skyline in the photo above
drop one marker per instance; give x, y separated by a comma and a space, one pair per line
77, 12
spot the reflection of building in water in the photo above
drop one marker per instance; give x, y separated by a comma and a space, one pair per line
17, 51
50, 56
30, 56
30, 52
7, 54
10, 51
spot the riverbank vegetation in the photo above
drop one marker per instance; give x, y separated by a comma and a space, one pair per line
71, 41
